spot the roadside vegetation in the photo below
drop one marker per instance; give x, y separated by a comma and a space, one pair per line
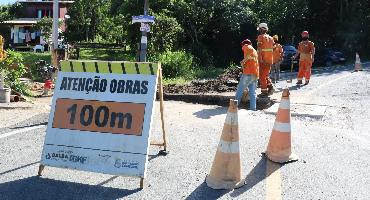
200, 39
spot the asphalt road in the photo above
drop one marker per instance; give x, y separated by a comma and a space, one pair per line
334, 151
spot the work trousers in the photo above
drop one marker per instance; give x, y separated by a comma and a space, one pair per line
265, 81
304, 70
275, 72
250, 81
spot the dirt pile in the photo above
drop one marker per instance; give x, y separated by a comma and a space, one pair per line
226, 82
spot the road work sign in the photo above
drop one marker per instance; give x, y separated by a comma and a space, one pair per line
101, 117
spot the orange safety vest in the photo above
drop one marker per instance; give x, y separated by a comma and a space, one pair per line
250, 61
306, 50
265, 44
278, 52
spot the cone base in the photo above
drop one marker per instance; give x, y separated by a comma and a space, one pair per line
223, 184
281, 159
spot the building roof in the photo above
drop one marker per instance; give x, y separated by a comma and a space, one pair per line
22, 21
38, 1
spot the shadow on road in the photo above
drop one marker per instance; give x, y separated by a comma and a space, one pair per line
258, 174
28, 126
108, 180
295, 87
160, 153
42, 188
15, 169
205, 192
208, 113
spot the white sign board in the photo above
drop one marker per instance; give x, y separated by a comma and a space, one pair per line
101, 117
143, 19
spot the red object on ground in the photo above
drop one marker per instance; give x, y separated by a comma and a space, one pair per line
48, 84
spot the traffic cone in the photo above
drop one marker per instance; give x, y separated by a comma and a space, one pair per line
226, 169
358, 65
279, 146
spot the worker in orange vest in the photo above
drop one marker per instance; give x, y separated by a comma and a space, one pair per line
265, 45
306, 53
278, 53
250, 74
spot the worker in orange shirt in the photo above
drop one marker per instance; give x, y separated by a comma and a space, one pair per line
265, 45
306, 51
250, 74
278, 53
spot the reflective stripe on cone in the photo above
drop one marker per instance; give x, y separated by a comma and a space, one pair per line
226, 168
279, 146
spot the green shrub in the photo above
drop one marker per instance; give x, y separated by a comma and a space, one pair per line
177, 64
12, 69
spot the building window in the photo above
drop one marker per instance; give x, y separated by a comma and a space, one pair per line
39, 13
44, 13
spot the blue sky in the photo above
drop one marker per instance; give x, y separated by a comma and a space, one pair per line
4, 2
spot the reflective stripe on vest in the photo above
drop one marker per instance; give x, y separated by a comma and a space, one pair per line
267, 50
249, 58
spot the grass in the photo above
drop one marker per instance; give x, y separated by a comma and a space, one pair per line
177, 81
105, 54
29, 58
116, 55
207, 73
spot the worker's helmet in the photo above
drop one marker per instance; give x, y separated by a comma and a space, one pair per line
305, 34
275, 37
262, 26
246, 41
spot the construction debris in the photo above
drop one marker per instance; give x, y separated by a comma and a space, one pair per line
226, 82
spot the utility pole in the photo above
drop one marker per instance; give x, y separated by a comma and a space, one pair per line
54, 47
144, 39
55, 24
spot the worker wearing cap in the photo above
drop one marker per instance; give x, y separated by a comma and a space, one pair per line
306, 53
278, 53
250, 74
265, 45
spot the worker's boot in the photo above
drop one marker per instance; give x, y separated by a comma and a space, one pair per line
299, 82
263, 94
307, 82
271, 90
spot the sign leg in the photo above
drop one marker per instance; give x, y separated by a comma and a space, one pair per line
162, 111
142, 183
41, 168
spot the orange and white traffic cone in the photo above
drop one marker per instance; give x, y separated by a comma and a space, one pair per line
226, 168
279, 147
358, 65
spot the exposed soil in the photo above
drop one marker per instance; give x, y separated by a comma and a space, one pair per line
226, 82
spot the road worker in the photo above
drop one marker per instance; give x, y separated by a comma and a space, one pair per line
306, 53
278, 53
265, 45
250, 74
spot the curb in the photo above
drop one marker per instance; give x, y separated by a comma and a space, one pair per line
10, 106
216, 99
